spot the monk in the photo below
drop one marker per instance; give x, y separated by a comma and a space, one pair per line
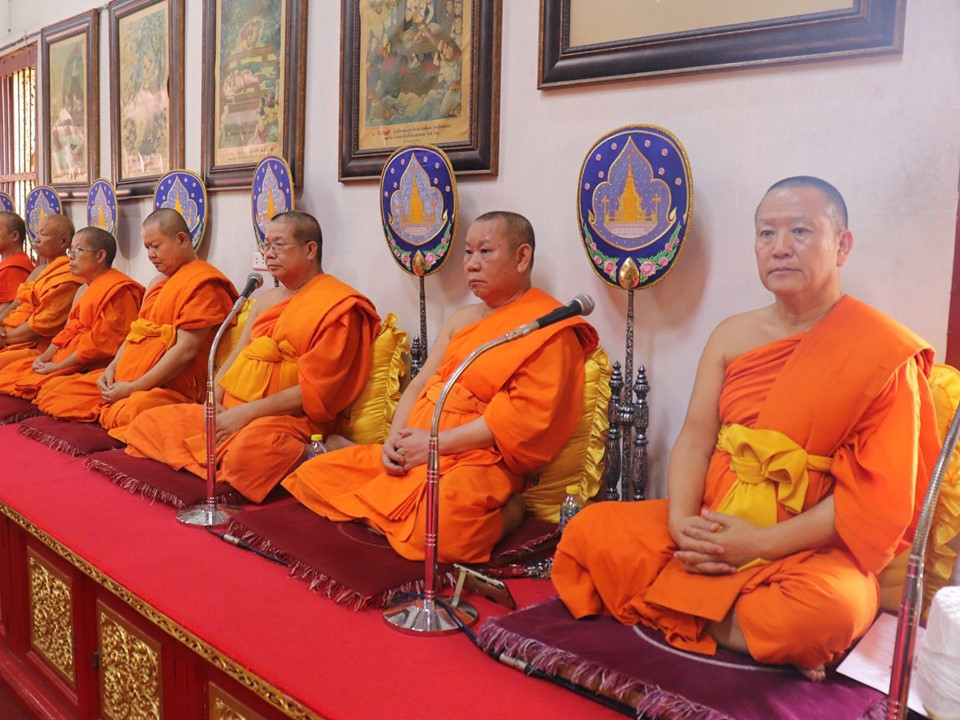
15, 264
44, 299
797, 474
510, 413
103, 308
164, 357
303, 356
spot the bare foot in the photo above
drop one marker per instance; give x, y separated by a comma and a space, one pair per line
817, 674
335, 442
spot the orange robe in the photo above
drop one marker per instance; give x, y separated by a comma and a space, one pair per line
14, 270
529, 392
321, 339
197, 296
97, 325
852, 388
45, 309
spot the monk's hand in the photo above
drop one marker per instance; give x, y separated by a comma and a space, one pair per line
117, 391
740, 539
229, 421
698, 546
391, 456
105, 381
43, 368
414, 446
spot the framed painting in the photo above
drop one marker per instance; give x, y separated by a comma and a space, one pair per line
254, 73
146, 98
599, 40
419, 72
71, 103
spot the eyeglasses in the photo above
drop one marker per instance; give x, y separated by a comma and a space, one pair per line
277, 248
73, 252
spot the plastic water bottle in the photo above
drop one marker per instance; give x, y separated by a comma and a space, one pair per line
571, 506
314, 447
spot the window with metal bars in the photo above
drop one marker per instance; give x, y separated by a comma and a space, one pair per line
18, 124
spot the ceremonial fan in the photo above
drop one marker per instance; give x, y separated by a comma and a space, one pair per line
102, 206
183, 191
634, 206
41, 201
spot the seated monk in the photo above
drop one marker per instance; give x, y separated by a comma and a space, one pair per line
303, 356
164, 357
15, 264
44, 299
797, 475
103, 309
510, 413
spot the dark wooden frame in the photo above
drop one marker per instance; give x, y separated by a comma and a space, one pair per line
88, 25
119, 9
220, 177
479, 154
870, 27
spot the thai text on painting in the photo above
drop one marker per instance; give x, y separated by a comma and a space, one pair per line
415, 72
144, 95
68, 110
249, 80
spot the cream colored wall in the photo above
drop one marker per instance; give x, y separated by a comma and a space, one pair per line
884, 130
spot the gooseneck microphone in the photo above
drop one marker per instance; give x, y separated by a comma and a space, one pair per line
580, 305
254, 280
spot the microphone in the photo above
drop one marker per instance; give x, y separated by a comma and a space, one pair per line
254, 280
580, 305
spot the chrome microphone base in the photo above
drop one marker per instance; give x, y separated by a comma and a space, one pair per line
416, 617
204, 515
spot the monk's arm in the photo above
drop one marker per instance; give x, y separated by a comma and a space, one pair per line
23, 333
183, 352
8, 308
414, 443
43, 366
285, 402
690, 458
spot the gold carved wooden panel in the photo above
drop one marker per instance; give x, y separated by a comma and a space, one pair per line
223, 706
130, 680
51, 615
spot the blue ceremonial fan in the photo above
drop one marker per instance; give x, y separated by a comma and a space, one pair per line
418, 207
271, 194
6, 202
102, 206
41, 201
634, 205
183, 191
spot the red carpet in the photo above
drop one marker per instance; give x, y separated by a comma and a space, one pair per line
340, 663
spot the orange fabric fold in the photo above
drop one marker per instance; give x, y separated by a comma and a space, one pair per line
14, 270
45, 310
530, 394
94, 331
326, 332
852, 388
197, 296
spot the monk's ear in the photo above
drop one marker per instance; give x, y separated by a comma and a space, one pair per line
844, 247
524, 258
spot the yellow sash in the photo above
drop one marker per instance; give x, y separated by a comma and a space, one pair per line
771, 469
249, 375
141, 329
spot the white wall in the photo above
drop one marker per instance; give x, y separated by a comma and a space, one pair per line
885, 130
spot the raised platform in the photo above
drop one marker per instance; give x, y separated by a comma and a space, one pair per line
107, 603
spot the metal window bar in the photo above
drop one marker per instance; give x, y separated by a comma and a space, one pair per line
18, 141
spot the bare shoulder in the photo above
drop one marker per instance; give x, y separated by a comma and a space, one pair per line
266, 299
156, 279
463, 316
738, 334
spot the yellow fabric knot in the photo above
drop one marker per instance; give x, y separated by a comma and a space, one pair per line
771, 469
248, 377
141, 329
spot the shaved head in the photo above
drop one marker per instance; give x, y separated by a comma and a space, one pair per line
168, 221
14, 223
304, 227
516, 228
836, 207
59, 225
99, 239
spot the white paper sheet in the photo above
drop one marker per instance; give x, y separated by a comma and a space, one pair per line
871, 661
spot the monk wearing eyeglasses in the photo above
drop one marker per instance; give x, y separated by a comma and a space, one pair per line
163, 359
103, 308
44, 299
303, 356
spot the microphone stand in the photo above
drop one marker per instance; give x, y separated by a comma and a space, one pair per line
912, 598
209, 513
421, 615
